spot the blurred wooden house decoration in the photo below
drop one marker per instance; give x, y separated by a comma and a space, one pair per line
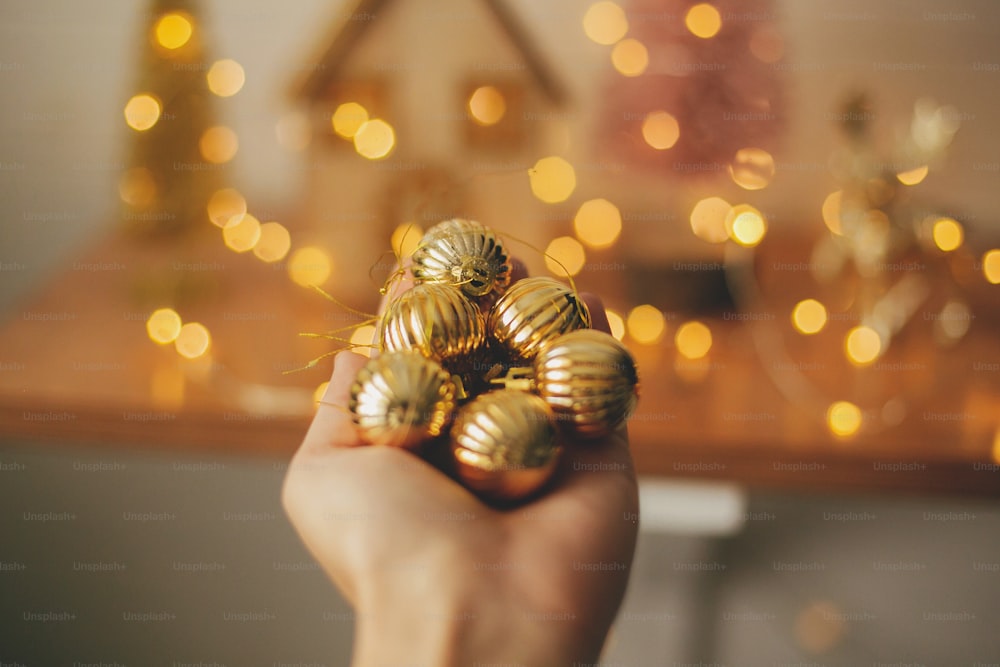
422, 110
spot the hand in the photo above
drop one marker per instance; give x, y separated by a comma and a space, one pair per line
437, 577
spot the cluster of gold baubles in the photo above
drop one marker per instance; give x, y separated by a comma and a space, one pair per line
504, 376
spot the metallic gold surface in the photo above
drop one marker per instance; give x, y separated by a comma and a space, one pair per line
401, 399
438, 320
504, 444
589, 380
534, 311
464, 253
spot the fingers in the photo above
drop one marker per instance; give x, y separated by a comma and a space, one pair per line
332, 426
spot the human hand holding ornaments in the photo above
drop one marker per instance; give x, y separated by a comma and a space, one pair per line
466, 514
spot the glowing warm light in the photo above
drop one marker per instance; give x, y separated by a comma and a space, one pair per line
831, 211
863, 345
320, 392
564, 256
605, 23
708, 219
991, 266
913, 176
954, 320
809, 316
616, 323
173, 30
995, 453
843, 418
163, 325
225, 77
293, 131
348, 119
752, 168
225, 204
660, 130
193, 340
598, 223
767, 45
746, 225
487, 105
630, 57
693, 340
309, 266
137, 187
374, 139
274, 242
218, 144
142, 112
703, 20
241, 233
948, 234
405, 239
646, 324
362, 338
552, 179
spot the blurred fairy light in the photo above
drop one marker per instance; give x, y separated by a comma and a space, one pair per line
616, 323
405, 238
605, 23
863, 345
163, 325
293, 131
310, 266
752, 168
831, 211
708, 219
218, 144
193, 340
693, 340
348, 118
843, 418
912, 176
142, 112
703, 20
809, 316
362, 338
947, 234
274, 242
375, 139
137, 187
660, 130
173, 30
225, 77
225, 204
487, 105
995, 452
241, 232
598, 223
646, 324
952, 322
564, 256
991, 266
630, 57
552, 179
745, 225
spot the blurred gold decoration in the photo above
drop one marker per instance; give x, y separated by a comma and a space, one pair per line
401, 399
504, 444
534, 311
463, 253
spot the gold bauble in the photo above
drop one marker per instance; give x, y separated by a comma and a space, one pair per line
534, 311
438, 320
589, 380
464, 253
401, 399
503, 444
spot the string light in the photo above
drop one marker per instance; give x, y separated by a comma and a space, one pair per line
564, 256
273, 243
746, 225
948, 234
163, 326
218, 144
487, 105
660, 130
693, 340
843, 418
598, 223
552, 179
173, 30
708, 219
646, 324
752, 168
142, 112
225, 78
912, 176
703, 20
310, 266
348, 118
225, 204
630, 57
605, 23
863, 345
809, 316
831, 211
193, 340
991, 266
375, 139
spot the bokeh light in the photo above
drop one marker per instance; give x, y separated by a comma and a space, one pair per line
995, 452
605, 23
241, 232
363, 337
660, 130
646, 324
348, 118
224, 204
991, 266
843, 418
863, 345
163, 325
142, 112
831, 211
218, 144
598, 223
552, 179
630, 57
708, 219
225, 77
405, 239
912, 176
752, 168
703, 20
948, 234
310, 266
375, 139
809, 316
274, 242
616, 323
564, 256
137, 187
746, 225
693, 339
173, 30
193, 340
487, 105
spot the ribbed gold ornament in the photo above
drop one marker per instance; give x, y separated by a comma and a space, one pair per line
504, 444
589, 380
464, 253
438, 320
401, 399
534, 311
